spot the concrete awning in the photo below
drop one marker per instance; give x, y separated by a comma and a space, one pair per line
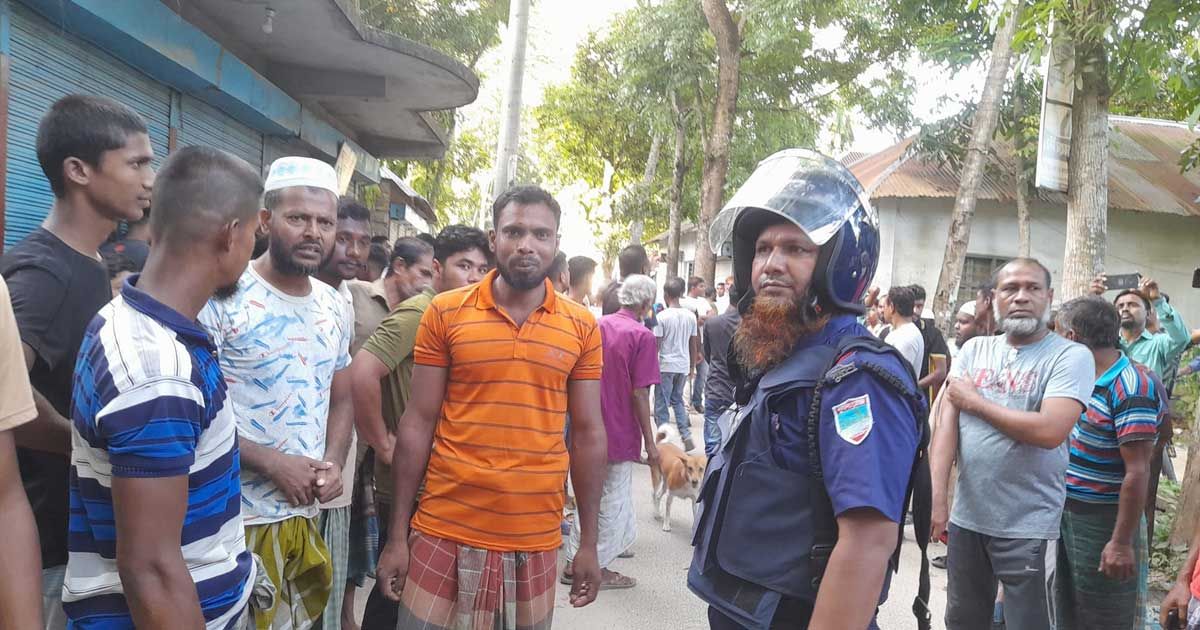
376, 86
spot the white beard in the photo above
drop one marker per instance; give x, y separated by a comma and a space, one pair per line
1024, 326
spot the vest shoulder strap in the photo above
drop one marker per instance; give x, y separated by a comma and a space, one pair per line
919, 492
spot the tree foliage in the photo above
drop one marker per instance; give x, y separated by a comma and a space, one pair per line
463, 29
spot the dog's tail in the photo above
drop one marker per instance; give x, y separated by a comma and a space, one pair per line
666, 433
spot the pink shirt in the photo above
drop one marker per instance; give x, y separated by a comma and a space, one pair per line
630, 362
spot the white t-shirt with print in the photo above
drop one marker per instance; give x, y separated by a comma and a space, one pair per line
278, 353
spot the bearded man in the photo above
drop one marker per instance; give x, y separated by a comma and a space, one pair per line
1005, 416
802, 534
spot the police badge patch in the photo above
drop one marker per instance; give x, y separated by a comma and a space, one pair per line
853, 419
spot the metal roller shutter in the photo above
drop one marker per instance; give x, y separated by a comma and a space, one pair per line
48, 64
204, 125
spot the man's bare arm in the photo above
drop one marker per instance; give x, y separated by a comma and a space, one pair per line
49, 431
414, 442
589, 459
149, 515
942, 453
937, 375
1047, 428
338, 431
366, 372
853, 579
20, 581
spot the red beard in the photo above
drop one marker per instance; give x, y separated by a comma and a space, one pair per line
769, 332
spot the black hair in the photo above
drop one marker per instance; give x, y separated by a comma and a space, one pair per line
525, 196
918, 292
428, 238
382, 240
710, 293
901, 299
460, 238
199, 189
557, 266
694, 282
410, 249
1145, 300
632, 259
82, 126
117, 263
350, 208
580, 268
673, 288
378, 255
1094, 320
1022, 261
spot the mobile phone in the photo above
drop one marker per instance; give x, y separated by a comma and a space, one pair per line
1122, 281
1173, 620
1196, 279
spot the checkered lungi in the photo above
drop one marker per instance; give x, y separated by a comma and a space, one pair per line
452, 586
1086, 598
334, 524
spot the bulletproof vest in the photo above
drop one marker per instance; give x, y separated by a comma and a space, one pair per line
762, 532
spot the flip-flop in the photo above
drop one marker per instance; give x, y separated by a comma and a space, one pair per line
626, 554
616, 581
566, 578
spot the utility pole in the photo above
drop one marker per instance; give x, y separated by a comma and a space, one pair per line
510, 115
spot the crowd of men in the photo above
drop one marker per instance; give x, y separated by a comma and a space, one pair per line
238, 407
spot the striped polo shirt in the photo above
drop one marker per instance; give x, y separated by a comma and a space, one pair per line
1124, 408
149, 401
496, 473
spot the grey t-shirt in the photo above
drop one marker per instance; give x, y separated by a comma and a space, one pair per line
675, 329
1008, 489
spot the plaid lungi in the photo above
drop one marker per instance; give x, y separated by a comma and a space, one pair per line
334, 524
452, 586
297, 562
364, 523
1086, 598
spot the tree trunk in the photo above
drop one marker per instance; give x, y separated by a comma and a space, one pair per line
1020, 175
679, 169
982, 128
727, 32
638, 226
1188, 510
1087, 170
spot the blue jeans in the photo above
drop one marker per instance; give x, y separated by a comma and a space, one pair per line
669, 395
698, 385
713, 408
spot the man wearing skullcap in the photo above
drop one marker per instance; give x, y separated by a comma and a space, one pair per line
283, 342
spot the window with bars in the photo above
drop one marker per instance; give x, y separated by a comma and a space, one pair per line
977, 270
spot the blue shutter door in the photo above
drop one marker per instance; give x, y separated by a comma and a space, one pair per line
48, 64
202, 124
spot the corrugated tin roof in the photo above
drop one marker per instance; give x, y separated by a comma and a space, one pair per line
1143, 171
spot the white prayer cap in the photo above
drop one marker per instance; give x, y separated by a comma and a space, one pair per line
301, 171
968, 308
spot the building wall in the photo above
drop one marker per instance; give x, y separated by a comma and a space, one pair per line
687, 256
1160, 246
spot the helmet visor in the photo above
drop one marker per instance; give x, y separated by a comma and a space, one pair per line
812, 191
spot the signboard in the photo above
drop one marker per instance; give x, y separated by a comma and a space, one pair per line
344, 167
1054, 132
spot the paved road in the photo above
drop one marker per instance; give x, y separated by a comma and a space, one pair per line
661, 600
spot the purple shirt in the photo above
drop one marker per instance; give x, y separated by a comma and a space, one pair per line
630, 362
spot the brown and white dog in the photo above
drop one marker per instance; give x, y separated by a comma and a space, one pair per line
678, 474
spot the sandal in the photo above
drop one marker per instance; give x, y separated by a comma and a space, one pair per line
611, 581
628, 553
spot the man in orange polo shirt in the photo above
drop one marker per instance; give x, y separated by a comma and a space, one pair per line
496, 367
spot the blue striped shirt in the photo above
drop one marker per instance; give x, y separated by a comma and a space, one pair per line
149, 401
1124, 408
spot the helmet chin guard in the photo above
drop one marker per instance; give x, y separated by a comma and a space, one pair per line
824, 199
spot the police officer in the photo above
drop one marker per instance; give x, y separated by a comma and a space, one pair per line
800, 510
